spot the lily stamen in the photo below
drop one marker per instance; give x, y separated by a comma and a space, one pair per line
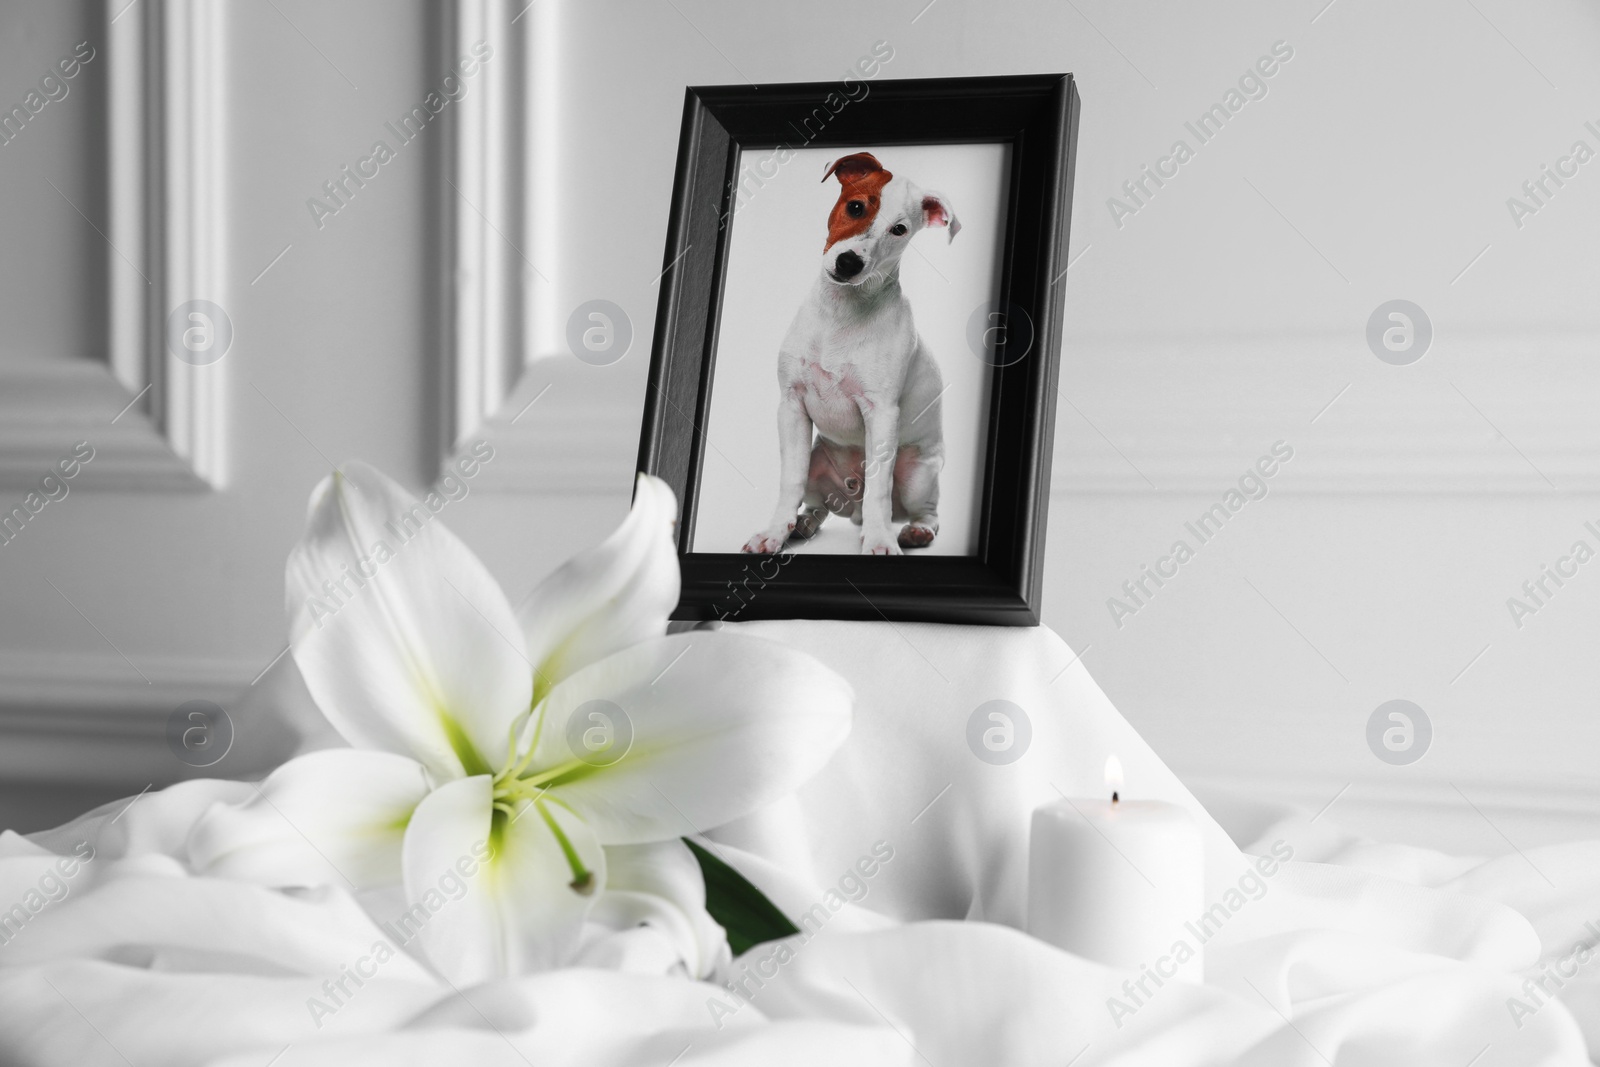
582, 878
552, 773
515, 764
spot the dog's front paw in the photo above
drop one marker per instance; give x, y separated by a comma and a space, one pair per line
768, 542
917, 535
879, 546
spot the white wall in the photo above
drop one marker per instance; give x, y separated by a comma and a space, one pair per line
1221, 317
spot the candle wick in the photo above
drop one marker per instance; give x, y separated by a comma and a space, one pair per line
1114, 797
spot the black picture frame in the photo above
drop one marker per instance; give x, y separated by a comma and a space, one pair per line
1037, 116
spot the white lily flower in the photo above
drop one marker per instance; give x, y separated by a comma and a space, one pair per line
465, 787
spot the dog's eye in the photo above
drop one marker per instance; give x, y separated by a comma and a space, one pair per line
855, 209
898, 229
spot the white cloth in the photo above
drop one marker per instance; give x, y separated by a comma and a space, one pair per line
1353, 953
1350, 954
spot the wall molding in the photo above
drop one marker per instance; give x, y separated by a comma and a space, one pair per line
483, 319
575, 433
1498, 413
497, 212
87, 718
1488, 414
1524, 808
155, 421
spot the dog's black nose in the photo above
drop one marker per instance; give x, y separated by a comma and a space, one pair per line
848, 265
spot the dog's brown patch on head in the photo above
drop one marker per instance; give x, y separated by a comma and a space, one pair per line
861, 181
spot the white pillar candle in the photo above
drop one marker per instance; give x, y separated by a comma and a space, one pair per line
1115, 880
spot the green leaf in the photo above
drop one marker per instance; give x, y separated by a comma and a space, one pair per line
743, 910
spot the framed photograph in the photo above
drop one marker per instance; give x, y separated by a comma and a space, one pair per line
853, 379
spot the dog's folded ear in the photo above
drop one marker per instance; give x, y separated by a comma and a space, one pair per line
936, 211
853, 167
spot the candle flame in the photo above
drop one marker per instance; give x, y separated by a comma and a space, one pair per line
1113, 776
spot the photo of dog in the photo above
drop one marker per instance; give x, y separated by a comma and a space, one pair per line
859, 428
872, 441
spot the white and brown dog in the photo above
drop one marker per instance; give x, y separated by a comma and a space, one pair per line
853, 369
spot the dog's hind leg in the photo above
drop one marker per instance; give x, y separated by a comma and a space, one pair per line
809, 522
827, 488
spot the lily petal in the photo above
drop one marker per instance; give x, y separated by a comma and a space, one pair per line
492, 896
609, 597
721, 724
335, 817
660, 885
405, 640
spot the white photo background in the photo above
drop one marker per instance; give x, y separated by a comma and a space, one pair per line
777, 237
